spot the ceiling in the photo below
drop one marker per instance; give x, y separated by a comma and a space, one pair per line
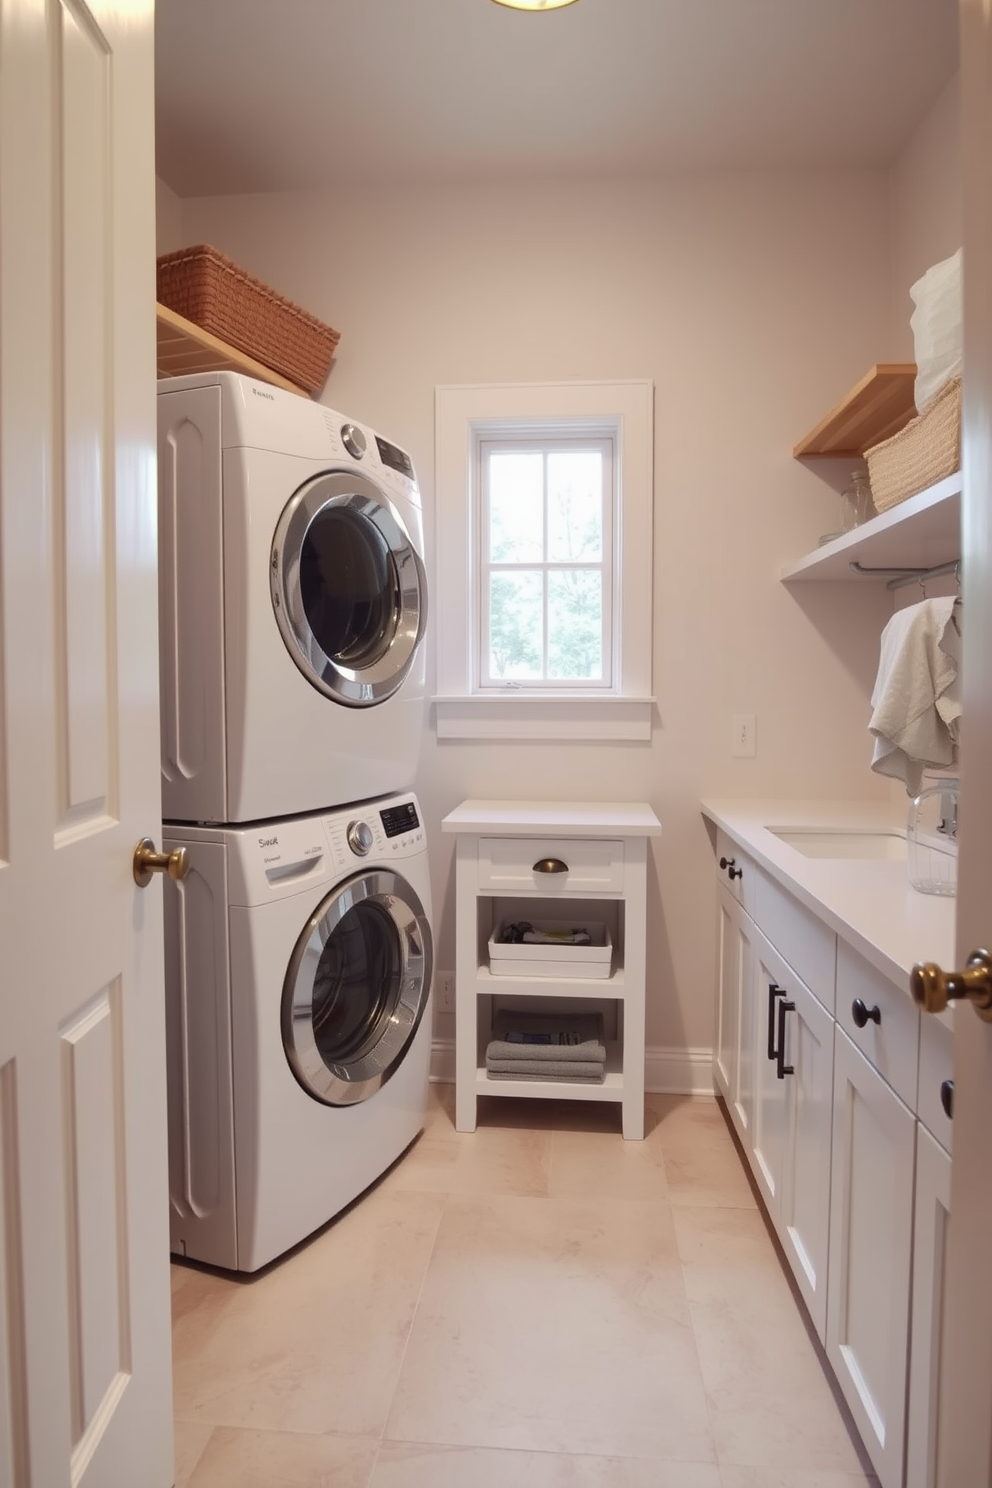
274, 95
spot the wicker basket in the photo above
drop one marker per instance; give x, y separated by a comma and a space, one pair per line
214, 292
921, 454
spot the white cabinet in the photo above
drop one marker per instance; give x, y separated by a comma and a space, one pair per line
791, 1135
841, 1097
541, 859
870, 1256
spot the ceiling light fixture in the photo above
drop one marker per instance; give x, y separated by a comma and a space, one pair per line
535, 4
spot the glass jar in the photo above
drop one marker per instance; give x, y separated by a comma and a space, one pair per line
932, 839
856, 505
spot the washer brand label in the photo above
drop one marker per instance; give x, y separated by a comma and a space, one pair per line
268, 841
259, 394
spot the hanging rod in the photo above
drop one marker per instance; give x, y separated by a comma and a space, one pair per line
909, 575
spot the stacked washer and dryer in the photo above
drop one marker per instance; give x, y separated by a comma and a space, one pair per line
299, 950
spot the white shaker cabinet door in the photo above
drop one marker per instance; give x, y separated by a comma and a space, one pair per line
871, 1227
804, 1217
793, 1069
933, 1205
769, 1134
735, 1011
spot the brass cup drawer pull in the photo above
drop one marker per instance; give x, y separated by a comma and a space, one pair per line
147, 861
550, 865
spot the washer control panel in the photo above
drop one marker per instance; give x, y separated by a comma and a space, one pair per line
360, 838
354, 440
379, 832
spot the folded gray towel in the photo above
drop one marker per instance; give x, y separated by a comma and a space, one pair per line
547, 1037
556, 1079
551, 1069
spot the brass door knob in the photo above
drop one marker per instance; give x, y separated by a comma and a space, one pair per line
933, 989
147, 861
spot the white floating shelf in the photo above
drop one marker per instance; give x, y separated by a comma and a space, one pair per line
921, 532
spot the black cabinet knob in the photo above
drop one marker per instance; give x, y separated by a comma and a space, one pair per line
732, 872
947, 1098
863, 1014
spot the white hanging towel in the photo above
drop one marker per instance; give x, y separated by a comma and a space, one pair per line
916, 702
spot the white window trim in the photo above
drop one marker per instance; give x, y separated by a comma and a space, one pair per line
461, 415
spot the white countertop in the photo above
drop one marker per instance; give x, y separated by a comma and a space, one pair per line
554, 818
869, 903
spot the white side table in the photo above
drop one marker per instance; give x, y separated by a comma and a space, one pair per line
599, 852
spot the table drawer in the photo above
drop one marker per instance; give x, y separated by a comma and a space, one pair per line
509, 865
890, 1036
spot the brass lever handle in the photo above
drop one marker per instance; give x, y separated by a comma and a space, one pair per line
933, 988
550, 865
147, 861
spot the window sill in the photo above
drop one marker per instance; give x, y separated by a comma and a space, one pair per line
531, 715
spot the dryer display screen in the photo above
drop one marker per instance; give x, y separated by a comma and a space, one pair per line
396, 458
399, 819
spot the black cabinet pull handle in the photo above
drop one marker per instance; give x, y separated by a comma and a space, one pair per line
732, 872
783, 1069
774, 992
862, 1013
947, 1098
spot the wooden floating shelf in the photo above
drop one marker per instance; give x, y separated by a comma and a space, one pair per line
184, 348
877, 407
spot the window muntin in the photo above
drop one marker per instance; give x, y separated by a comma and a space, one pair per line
546, 523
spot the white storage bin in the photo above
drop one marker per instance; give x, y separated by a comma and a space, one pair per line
509, 958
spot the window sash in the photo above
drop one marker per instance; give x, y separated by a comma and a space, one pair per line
546, 443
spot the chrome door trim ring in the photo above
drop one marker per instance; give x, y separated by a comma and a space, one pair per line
347, 1084
355, 687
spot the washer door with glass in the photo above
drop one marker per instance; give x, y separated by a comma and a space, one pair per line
348, 589
356, 987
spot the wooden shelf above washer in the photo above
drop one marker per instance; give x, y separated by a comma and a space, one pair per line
877, 407
184, 348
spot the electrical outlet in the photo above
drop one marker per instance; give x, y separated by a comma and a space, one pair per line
742, 744
446, 991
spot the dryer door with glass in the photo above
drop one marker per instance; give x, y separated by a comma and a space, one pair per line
356, 987
348, 589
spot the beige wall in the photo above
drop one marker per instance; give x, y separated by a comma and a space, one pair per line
926, 206
752, 302
168, 219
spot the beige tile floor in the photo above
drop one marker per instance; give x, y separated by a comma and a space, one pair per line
538, 1304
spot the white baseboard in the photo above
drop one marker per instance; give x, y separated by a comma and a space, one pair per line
666, 1071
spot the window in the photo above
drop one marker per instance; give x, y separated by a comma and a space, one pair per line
542, 586
546, 581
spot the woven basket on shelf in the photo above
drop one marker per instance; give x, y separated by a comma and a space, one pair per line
215, 293
921, 454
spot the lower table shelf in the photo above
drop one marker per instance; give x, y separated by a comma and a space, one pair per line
611, 1088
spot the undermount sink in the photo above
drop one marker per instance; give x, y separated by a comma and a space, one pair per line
824, 843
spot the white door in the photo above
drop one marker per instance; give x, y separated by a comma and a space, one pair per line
966, 1387
85, 1394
